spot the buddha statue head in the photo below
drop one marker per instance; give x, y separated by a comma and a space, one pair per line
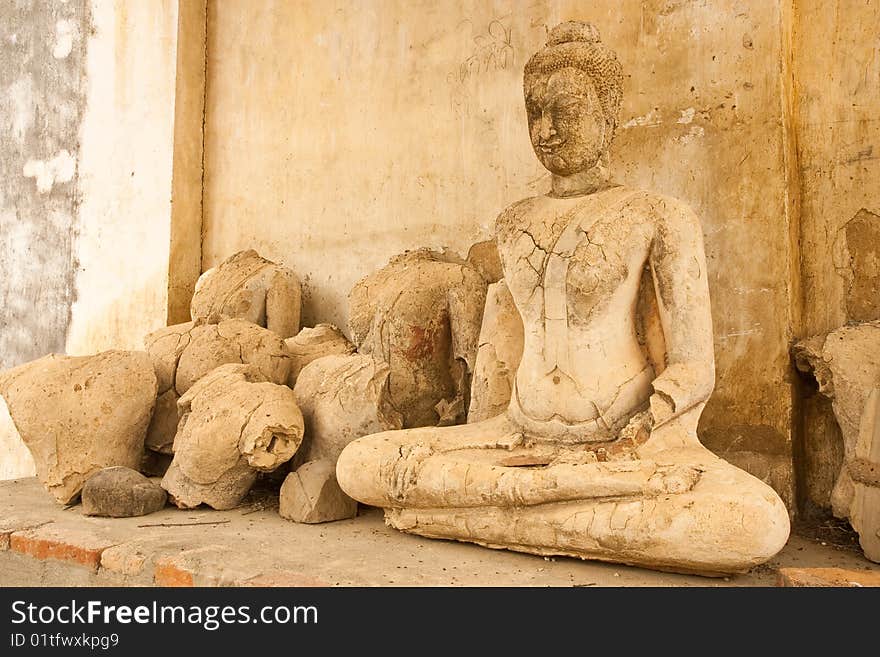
573, 88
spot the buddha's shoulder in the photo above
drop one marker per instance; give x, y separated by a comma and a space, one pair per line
515, 214
654, 207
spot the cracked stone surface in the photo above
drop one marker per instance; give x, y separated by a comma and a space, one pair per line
846, 365
421, 315
311, 495
343, 397
246, 286
597, 455
501, 344
182, 354
120, 492
233, 424
78, 415
312, 343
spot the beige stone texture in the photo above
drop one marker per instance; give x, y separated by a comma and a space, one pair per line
120, 492
826, 577
312, 343
483, 256
111, 112
343, 397
185, 248
246, 286
78, 415
498, 355
421, 315
703, 120
234, 423
312, 495
864, 471
262, 548
231, 341
837, 97
184, 353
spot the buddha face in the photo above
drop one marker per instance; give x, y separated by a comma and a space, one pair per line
566, 123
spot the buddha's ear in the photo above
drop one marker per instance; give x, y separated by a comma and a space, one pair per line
649, 330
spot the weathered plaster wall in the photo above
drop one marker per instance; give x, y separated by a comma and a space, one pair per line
837, 79
96, 135
338, 136
15, 459
125, 167
86, 173
42, 100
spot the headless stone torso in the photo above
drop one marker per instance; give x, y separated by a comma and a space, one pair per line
573, 267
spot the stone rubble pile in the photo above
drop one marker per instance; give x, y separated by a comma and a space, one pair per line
240, 390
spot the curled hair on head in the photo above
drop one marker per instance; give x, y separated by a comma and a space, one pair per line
579, 45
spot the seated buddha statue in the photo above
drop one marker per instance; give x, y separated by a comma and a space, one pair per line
597, 455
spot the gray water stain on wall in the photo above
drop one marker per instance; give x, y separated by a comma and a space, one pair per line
42, 101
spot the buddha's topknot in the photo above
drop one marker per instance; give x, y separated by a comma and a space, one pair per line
579, 45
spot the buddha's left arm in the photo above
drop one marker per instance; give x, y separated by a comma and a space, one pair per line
678, 265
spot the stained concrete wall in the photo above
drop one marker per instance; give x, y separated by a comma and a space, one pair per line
96, 136
338, 135
837, 79
85, 173
42, 102
125, 172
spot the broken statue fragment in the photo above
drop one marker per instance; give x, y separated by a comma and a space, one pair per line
120, 492
343, 397
80, 414
846, 365
246, 286
421, 315
311, 495
182, 354
501, 344
312, 343
234, 423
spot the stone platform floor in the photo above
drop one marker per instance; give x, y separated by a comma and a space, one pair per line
44, 544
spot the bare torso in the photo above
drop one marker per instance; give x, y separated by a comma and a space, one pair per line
573, 266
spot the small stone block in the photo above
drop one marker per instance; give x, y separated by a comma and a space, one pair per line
120, 492
311, 494
826, 577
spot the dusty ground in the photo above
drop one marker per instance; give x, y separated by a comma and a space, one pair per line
253, 543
